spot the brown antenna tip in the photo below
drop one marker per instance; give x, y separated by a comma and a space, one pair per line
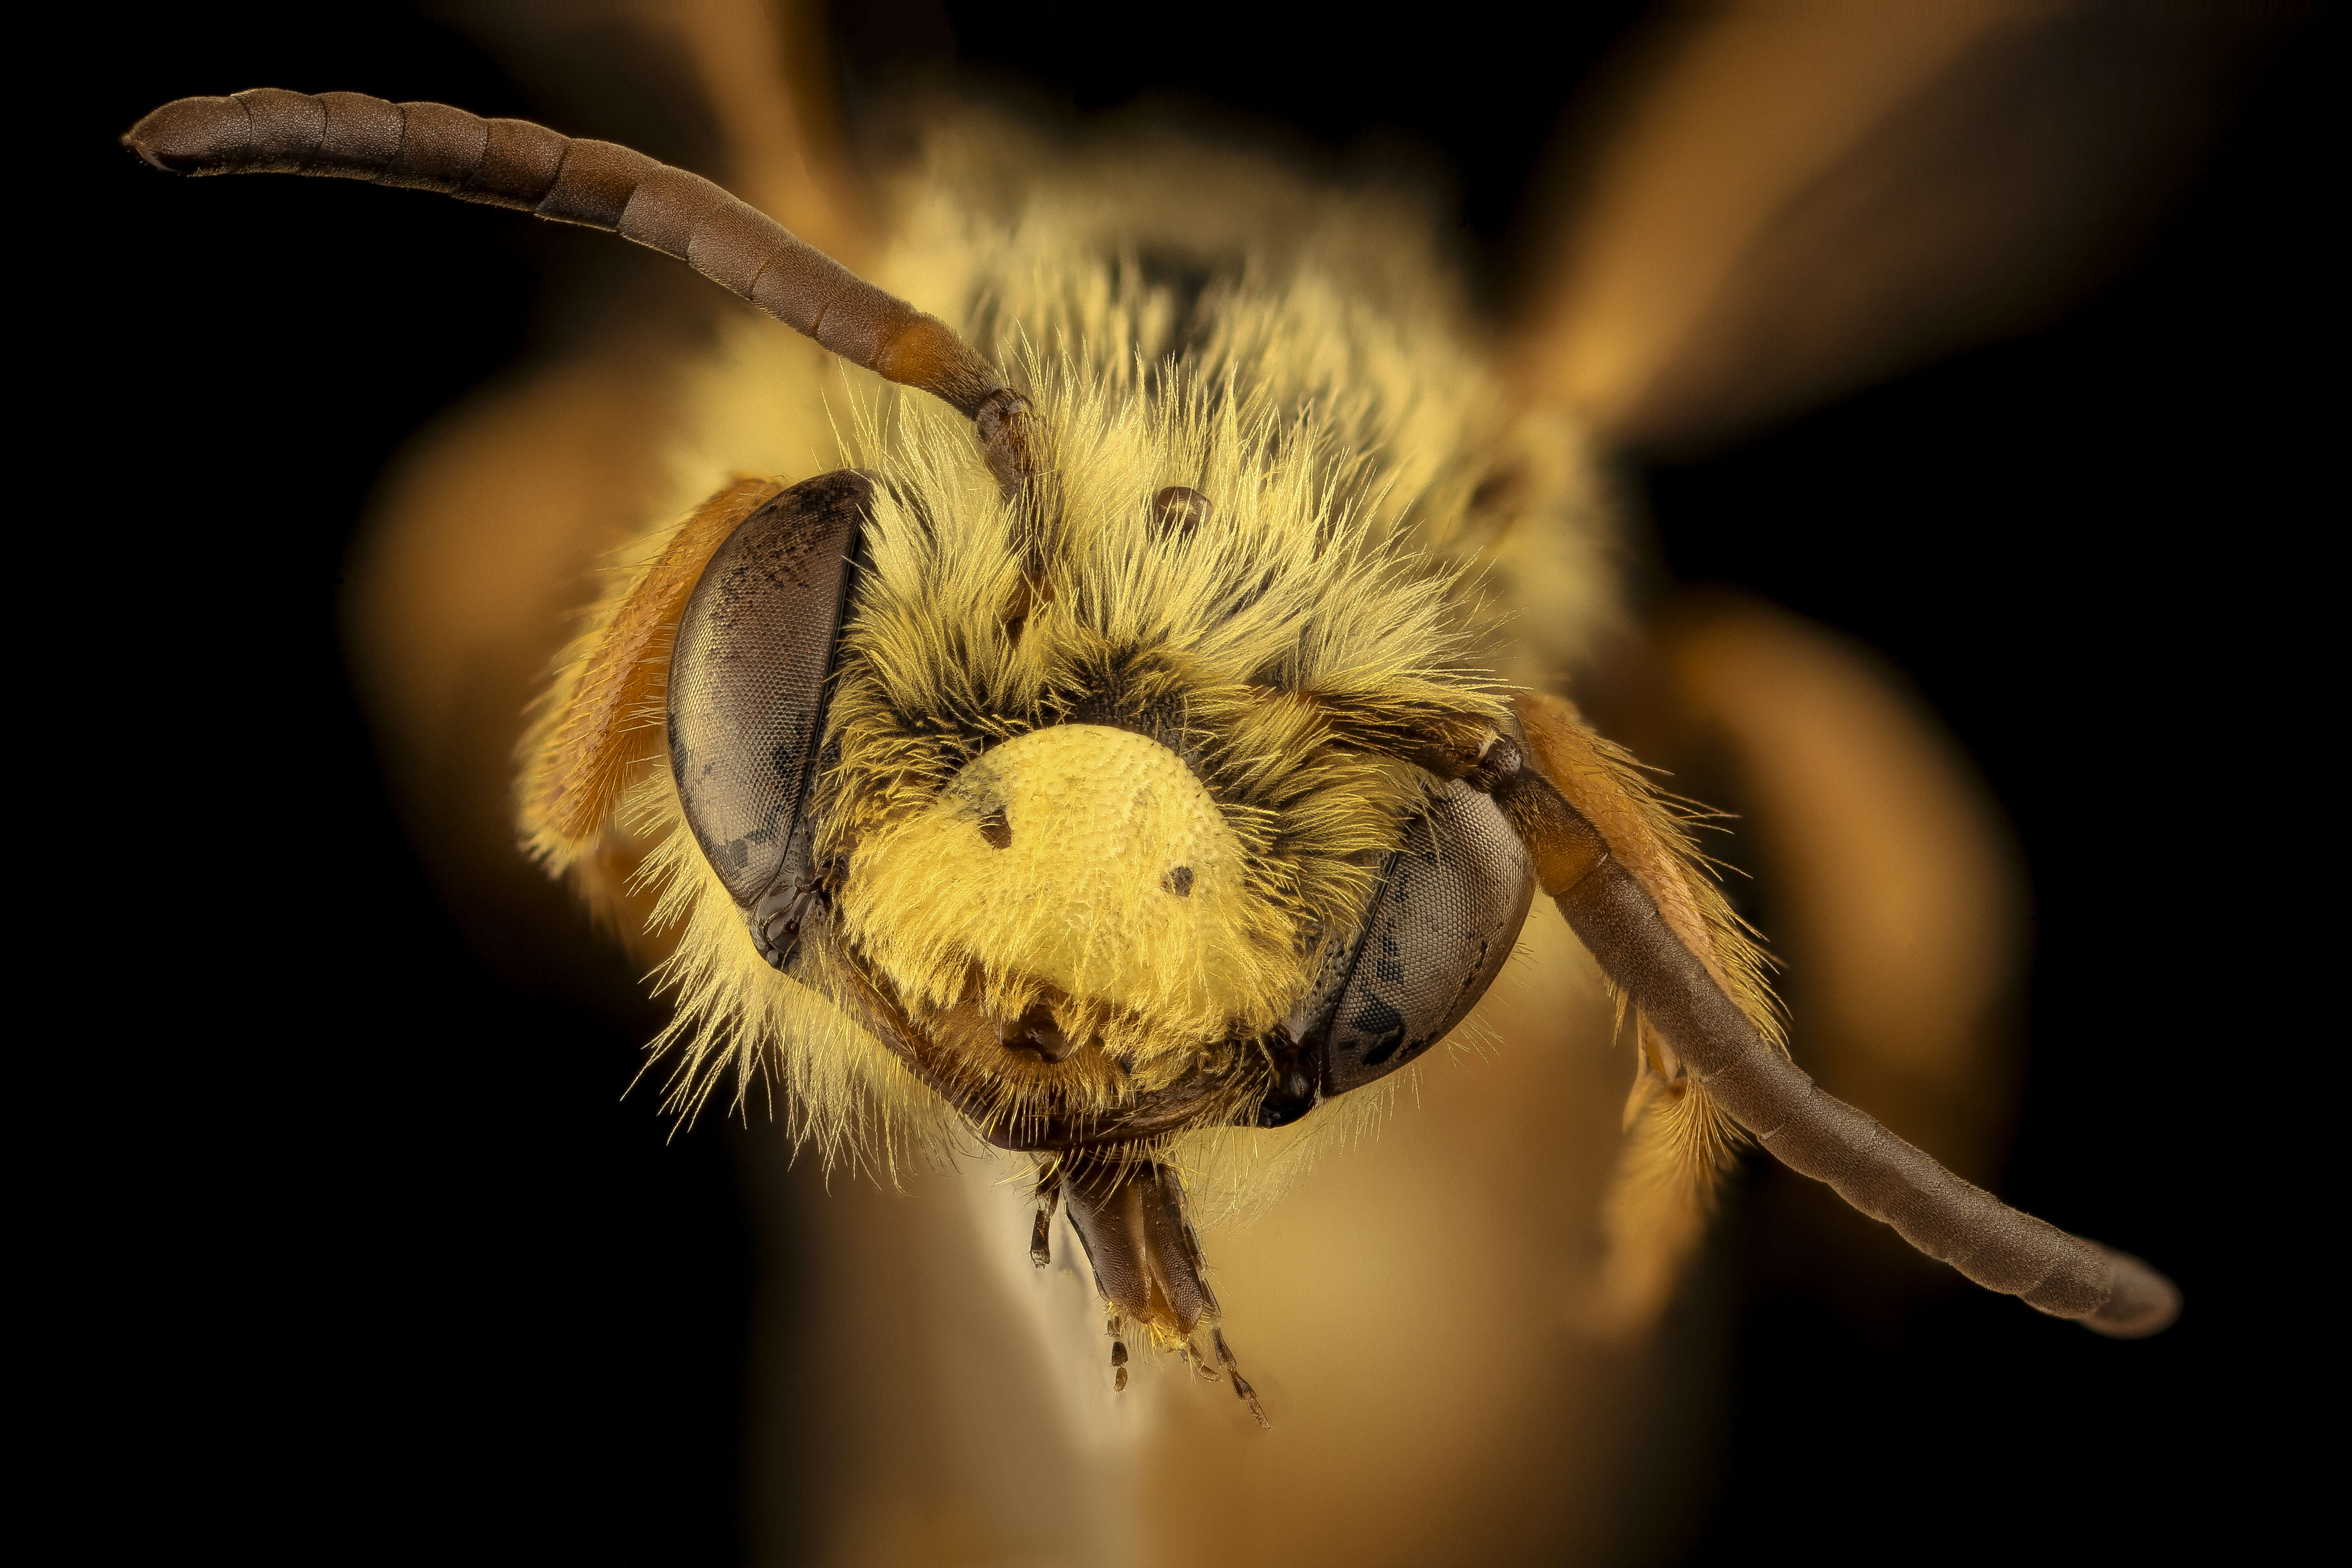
181, 137
2139, 1303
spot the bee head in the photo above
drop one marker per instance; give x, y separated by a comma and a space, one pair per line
1094, 808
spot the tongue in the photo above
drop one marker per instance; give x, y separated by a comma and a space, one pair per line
1130, 1219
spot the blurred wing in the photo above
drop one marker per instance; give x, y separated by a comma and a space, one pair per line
1897, 899
1891, 891
1795, 199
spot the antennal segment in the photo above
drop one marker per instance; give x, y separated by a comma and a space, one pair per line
515, 163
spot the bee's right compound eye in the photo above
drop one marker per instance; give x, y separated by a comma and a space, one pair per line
1449, 908
748, 691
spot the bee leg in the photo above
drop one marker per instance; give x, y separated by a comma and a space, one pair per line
1118, 1354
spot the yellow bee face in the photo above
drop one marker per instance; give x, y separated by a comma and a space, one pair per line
1084, 873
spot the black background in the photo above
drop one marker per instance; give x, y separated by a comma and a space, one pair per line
354, 1248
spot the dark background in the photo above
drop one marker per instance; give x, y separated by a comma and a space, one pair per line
355, 1249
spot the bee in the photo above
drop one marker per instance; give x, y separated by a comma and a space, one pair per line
1121, 752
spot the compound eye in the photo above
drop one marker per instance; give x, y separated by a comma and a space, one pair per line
1449, 908
748, 690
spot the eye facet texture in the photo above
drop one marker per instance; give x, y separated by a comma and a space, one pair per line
1450, 907
747, 683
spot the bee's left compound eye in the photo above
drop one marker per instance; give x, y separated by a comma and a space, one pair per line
747, 692
1449, 908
